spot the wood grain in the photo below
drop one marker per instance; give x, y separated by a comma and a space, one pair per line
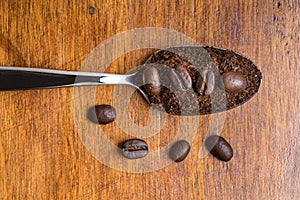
42, 155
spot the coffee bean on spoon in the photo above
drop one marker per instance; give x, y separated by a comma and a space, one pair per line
219, 147
205, 83
184, 75
102, 114
134, 149
209, 78
194, 59
179, 150
200, 85
176, 82
152, 81
234, 81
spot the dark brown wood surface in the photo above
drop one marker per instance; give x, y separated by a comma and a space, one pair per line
42, 154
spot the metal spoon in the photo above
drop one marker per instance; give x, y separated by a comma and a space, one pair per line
23, 78
201, 58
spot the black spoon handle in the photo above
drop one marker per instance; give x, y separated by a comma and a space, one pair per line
22, 78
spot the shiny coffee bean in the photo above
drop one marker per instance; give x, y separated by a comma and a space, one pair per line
234, 81
200, 85
176, 83
102, 114
209, 78
219, 147
134, 148
179, 150
205, 83
185, 76
152, 81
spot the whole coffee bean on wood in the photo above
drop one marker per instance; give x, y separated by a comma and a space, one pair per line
134, 149
152, 81
219, 147
102, 114
234, 81
179, 150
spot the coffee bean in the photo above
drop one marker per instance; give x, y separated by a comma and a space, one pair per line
152, 81
210, 81
102, 114
134, 148
179, 150
185, 76
205, 83
176, 83
219, 147
234, 81
200, 85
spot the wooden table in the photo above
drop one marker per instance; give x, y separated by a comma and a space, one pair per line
43, 154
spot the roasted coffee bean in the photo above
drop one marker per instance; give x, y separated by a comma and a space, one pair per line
134, 148
219, 147
210, 81
205, 83
185, 76
152, 81
200, 85
179, 150
176, 83
234, 81
102, 114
